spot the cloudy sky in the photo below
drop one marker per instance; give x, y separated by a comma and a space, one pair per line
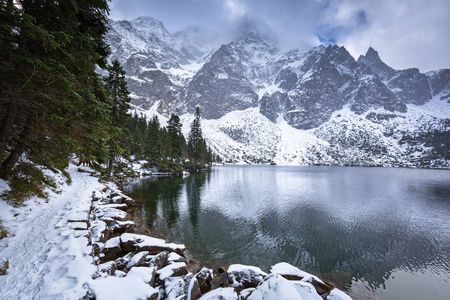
406, 33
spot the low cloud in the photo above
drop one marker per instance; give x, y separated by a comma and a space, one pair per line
405, 33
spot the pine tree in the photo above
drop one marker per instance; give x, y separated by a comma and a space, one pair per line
174, 135
152, 145
119, 96
195, 139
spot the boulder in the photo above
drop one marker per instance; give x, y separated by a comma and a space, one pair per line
103, 213
337, 294
245, 276
221, 293
108, 268
275, 287
174, 257
172, 270
137, 259
123, 261
193, 291
160, 259
4, 265
135, 285
204, 278
292, 273
111, 249
98, 231
220, 280
137, 242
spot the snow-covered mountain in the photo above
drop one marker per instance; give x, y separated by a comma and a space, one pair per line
262, 104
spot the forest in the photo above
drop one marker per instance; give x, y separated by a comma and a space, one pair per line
57, 108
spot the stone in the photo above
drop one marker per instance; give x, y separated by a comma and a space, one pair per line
193, 289
204, 278
138, 242
194, 266
172, 270
245, 276
4, 265
111, 249
108, 268
275, 287
221, 293
122, 262
220, 280
160, 259
137, 259
337, 294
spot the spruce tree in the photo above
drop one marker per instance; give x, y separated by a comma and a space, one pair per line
174, 135
195, 139
152, 145
119, 96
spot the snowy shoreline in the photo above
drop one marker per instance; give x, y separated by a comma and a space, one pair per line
84, 247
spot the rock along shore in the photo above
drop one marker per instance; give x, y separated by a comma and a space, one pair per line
134, 266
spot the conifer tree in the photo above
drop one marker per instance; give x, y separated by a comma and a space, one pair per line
119, 96
174, 135
152, 145
195, 139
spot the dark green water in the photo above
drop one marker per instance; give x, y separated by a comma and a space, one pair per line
381, 233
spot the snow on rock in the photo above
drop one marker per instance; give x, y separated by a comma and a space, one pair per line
138, 242
276, 287
135, 285
174, 257
172, 270
306, 290
108, 213
221, 293
137, 259
245, 276
287, 269
337, 294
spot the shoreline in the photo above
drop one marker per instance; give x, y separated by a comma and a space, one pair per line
235, 279
79, 244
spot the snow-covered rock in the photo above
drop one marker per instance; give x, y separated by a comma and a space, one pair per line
135, 285
276, 287
287, 270
172, 270
337, 294
220, 293
245, 276
137, 242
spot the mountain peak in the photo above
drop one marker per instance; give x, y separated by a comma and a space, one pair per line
253, 29
372, 55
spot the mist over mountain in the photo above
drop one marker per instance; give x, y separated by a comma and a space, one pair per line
264, 104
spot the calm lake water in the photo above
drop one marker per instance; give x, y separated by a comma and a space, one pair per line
380, 233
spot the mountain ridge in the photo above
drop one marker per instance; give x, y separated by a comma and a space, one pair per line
303, 89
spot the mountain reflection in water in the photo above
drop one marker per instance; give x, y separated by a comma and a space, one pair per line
356, 226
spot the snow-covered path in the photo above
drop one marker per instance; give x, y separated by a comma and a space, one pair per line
48, 259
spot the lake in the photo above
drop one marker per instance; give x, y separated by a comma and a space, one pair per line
379, 233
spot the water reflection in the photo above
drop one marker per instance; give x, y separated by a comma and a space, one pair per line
341, 223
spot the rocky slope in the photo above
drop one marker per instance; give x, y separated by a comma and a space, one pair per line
262, 104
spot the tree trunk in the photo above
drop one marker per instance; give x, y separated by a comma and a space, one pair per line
7, 125
9, 163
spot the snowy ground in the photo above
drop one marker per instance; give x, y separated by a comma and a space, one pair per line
47, 258
50, 256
